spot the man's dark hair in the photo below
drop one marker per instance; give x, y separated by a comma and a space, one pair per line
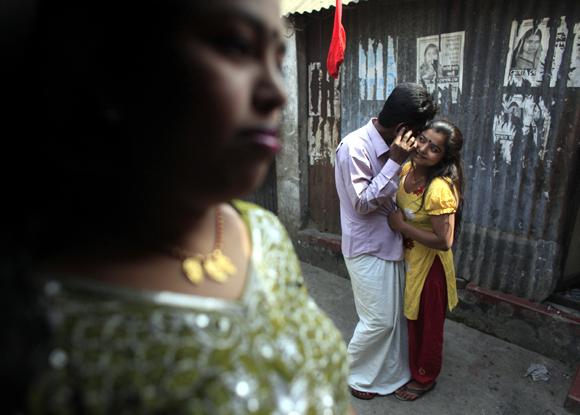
409, 103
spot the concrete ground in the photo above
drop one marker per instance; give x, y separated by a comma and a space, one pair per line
481, 374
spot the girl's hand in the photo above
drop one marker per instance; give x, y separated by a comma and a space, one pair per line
397, 220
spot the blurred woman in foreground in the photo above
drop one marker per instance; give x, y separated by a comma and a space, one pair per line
138, 283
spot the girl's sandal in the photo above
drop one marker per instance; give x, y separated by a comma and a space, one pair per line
412, 394
362, 394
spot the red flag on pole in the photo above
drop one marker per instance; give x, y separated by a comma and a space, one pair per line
337, 44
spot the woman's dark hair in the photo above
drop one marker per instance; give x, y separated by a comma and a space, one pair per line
450, 166
68, 158
409, 103
88, 98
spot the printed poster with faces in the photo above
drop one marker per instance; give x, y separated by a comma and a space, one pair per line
440, 64
527, 53
428, 68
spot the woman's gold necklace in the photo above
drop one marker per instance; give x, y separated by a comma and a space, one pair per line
415, 181
216, 265
417, 184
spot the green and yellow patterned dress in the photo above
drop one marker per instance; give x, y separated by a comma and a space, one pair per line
121, 351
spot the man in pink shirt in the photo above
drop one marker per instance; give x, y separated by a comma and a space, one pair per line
368, 163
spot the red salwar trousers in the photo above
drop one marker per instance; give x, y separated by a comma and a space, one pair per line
426, 333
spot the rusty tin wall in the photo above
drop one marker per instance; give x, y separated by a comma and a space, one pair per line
521, 184
323, 123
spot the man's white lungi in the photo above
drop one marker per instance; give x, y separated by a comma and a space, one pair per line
378, 349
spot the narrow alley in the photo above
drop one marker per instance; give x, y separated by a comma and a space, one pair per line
481, 374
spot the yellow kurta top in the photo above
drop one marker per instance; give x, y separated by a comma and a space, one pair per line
440, 199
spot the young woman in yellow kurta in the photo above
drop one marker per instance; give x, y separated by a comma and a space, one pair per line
429, 199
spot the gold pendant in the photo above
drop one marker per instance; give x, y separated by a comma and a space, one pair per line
216, 265
193, 270
224, 262
214, 270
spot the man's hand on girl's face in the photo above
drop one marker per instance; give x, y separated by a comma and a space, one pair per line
402, 145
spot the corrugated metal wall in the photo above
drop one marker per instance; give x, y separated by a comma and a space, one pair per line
521, 183
323, 125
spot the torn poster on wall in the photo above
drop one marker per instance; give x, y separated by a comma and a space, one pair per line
440, 64
377, 78
323, 114
527, 53
524, 118
574, 74
559, 47
451, 64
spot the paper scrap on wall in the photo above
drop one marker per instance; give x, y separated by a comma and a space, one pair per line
559, 47
574, 74
522, 118
377, 78
323, 114
451, 77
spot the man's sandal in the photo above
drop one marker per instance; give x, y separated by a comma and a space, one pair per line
407, 393
362, 394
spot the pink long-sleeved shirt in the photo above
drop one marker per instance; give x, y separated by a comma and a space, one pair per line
366, 182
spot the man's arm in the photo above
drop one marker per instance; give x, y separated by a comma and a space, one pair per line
365, 192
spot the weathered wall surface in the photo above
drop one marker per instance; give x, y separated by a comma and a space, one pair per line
288, 166
519, 113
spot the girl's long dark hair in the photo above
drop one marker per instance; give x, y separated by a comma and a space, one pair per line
450, 166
